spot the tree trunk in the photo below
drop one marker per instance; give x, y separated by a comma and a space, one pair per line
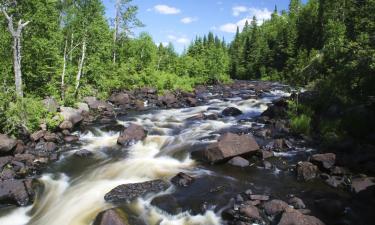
16, 34
80, 67
115, 34
63, 72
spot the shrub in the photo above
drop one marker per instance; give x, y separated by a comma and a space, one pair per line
301, 124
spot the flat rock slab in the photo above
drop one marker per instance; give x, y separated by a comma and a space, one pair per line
129, 192
360, 184
228, 145
294, 217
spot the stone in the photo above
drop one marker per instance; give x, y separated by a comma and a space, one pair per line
306, 171
361, 184
36, 136
267, 165
111, 217
51, 104
71, 114
66, 125
250, 211
120, 98
168, 99
139, 105
4, 161
83, 153
297, 203
260, 197
231, 111
82, 107
167, 203
324, 161
129, 192
274, 207
15, 192
265, 154
71, 138
239, 161
51, 137
228, 145
182, 180
191, 101
294, 217
132, 134
335, 181
6, 144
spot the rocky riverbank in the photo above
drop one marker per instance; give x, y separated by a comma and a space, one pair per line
262, 145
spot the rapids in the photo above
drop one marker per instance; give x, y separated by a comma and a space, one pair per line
73, 189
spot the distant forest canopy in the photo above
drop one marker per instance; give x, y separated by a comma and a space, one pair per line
68, 50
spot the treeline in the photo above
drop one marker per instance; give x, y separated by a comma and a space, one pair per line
332, 41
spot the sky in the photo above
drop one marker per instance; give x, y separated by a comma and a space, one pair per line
180, 21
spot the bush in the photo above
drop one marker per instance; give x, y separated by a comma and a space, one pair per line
301, 124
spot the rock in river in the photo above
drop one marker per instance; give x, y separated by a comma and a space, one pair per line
129, 192
239, 161
111, 217
131, 135
231, 111
182, 179
294, 217
228, 145
324, 161
306, 171
16, 192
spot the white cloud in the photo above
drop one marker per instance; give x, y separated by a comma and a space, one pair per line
187, 20
164, 43
165, 9
171, 37
237, 10
183, 40
260, 14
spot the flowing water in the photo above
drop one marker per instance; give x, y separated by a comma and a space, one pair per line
74, 188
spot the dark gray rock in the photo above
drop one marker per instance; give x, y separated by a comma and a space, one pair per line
306, 171
16, 192
324, 161
83, 153
297, 203
231, 111
274, 207
167, 203
182, 180
129, 192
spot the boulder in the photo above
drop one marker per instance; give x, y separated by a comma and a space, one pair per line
4, 161
324, 161
66, 125
231, 111
15, 192
294, 217
306, 171
111, 217
167, 203
182, 180
361, 184
191, 101
129, 192
71, 114
6, 144
36, 136
120, 98
297, 203
51, 137
83, 153
71, 138
82, 107
239, 161
51, 104
228, 145
168, 99
260, 197
132, 134
274, 207
250, 211
265, 154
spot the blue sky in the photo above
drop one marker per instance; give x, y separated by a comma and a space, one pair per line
179, 21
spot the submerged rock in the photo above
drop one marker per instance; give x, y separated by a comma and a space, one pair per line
131, 135
6, 144
231, 111
111, 217
129, 192
306, 171
83, 153
228, 145
167, 203
182, 180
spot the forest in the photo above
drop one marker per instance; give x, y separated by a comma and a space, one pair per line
71, 50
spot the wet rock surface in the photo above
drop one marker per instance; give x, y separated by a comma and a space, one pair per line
131, 135
111, 217
129, 192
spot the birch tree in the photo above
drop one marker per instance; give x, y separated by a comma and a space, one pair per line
16, 33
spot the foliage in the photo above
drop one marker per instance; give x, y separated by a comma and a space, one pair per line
301, 124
